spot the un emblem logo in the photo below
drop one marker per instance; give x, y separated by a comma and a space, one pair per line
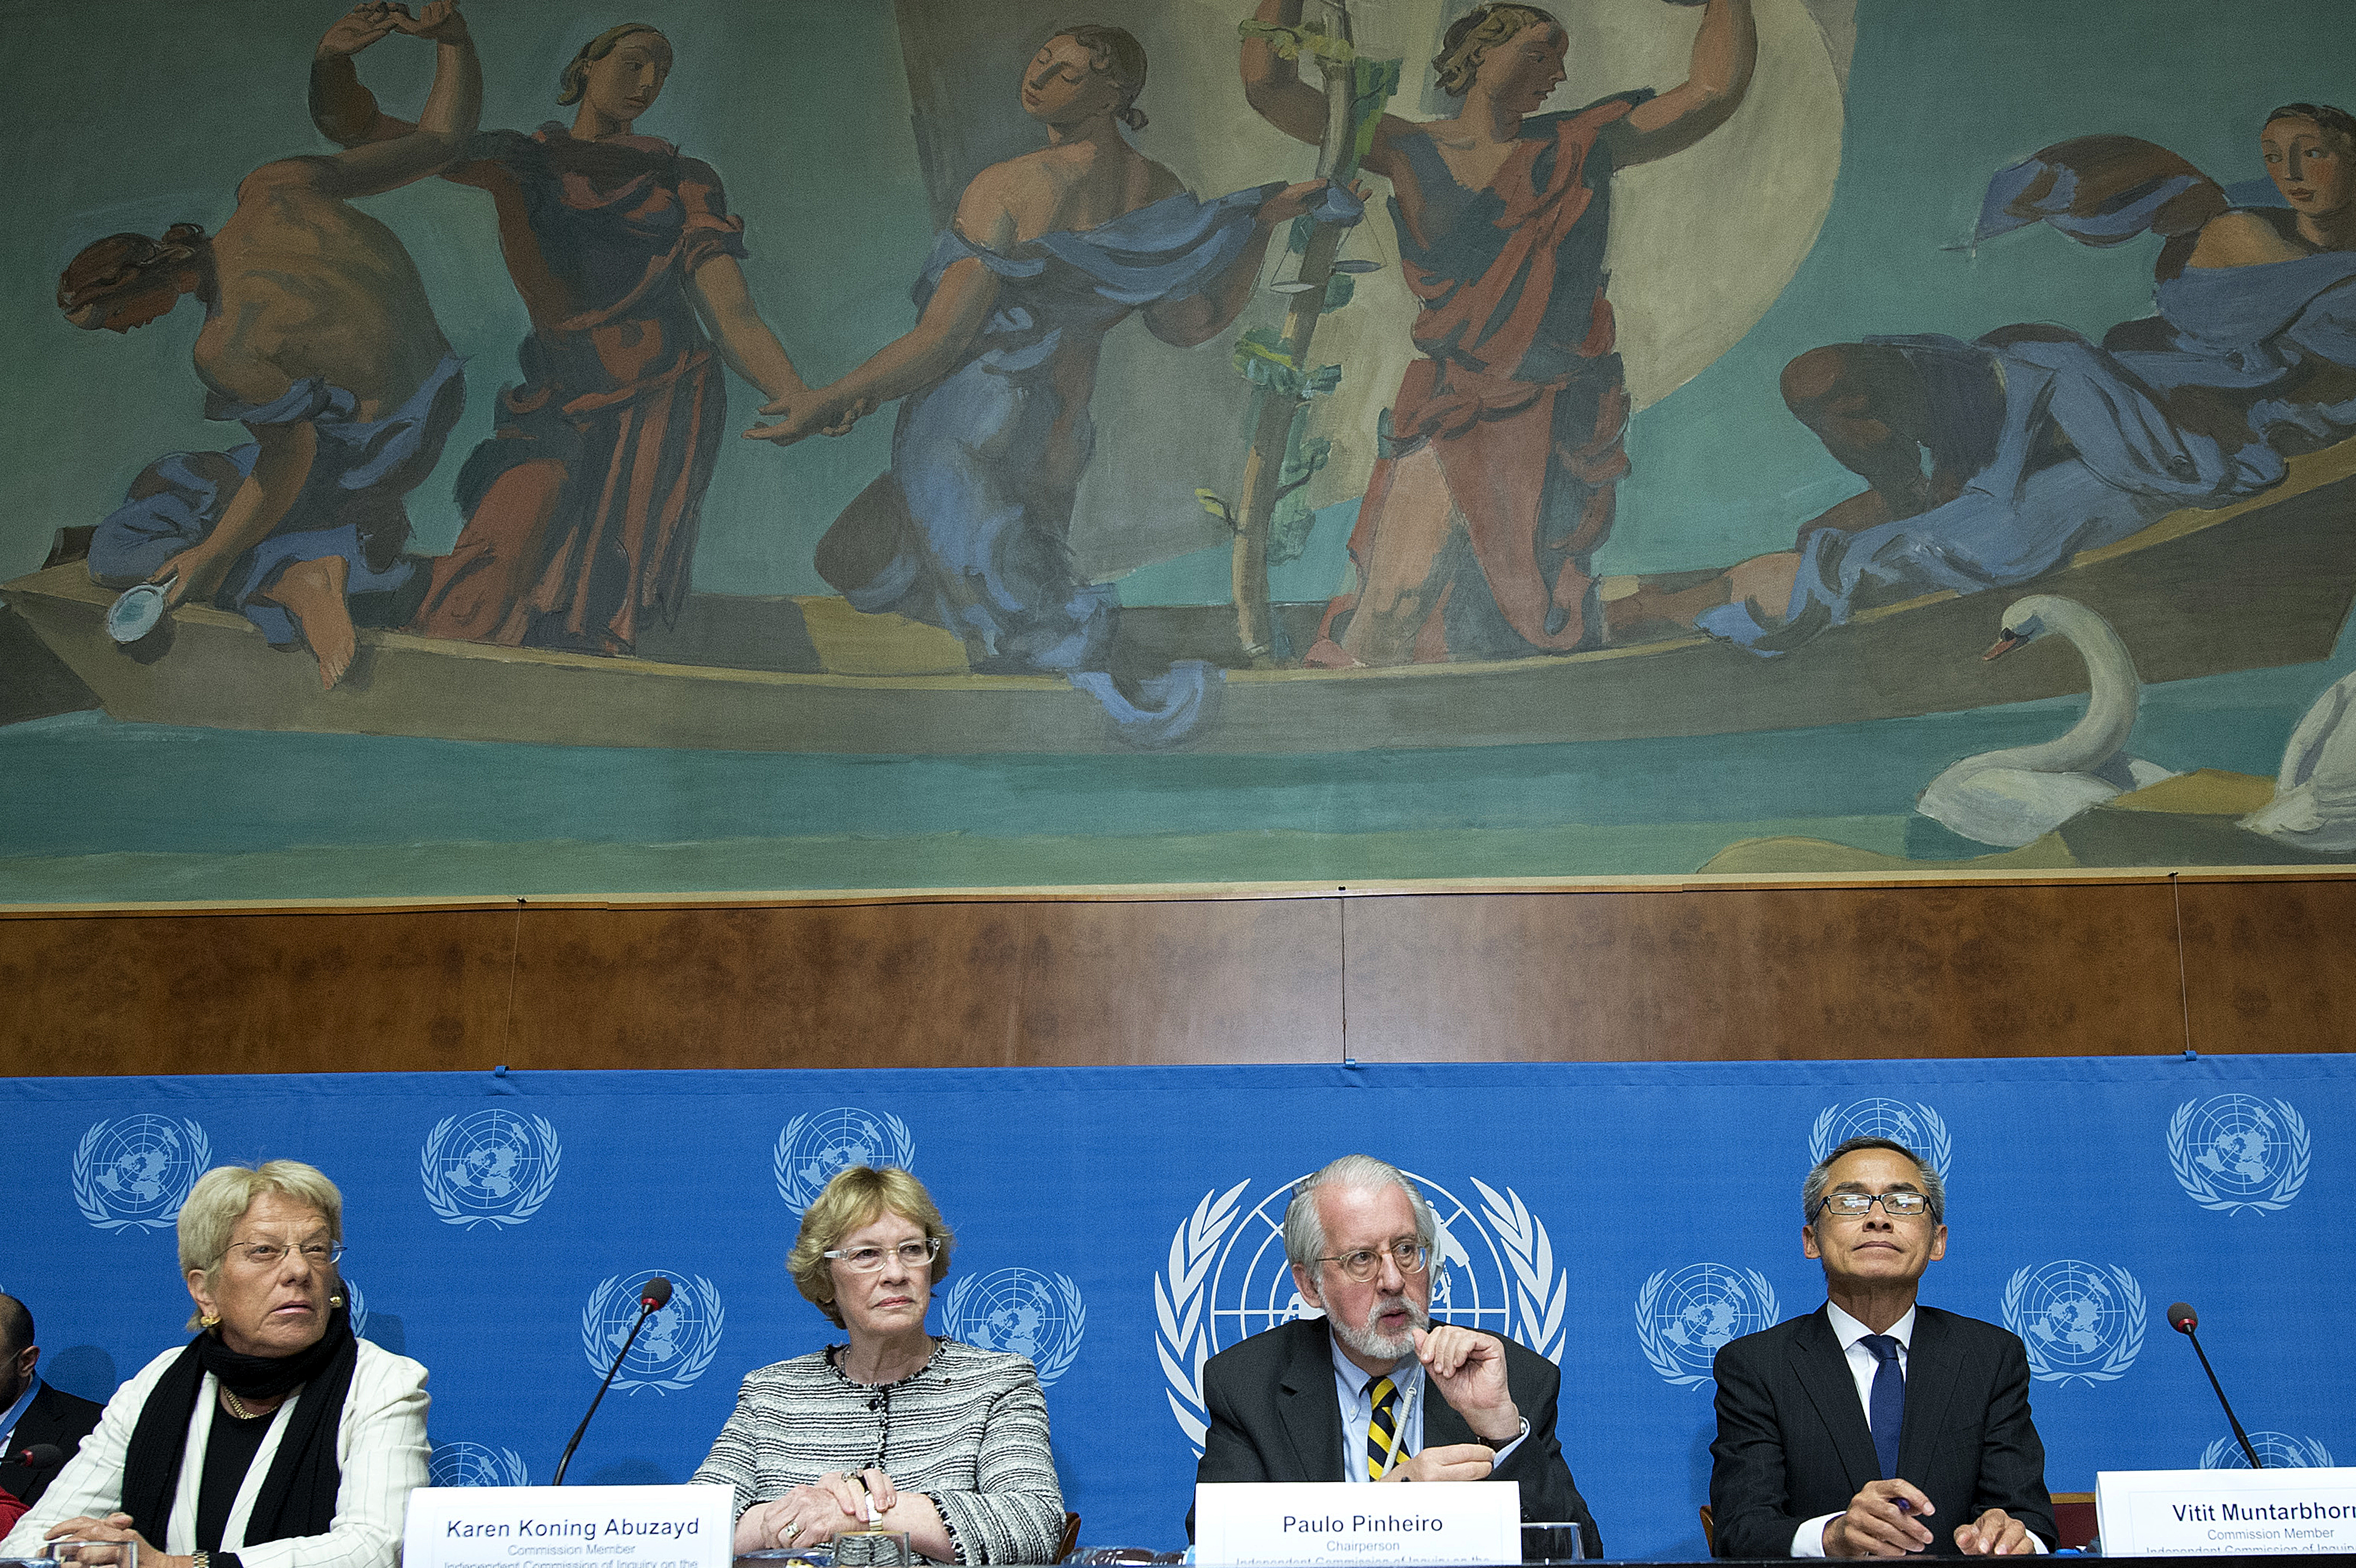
134, 1173
1917, 1127
1020, 1312
2236, 1151
1683, 1318
495, 1166
1228, 1279
2082, 1322
677, 1343
476, 1465
2280, 1451
812, 1148
356, 1304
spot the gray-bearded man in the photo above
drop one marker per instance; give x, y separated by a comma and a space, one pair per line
1371, 1390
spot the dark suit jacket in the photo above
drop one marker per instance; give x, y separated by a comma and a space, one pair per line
52, 1417
1793, 1441
1274, 1417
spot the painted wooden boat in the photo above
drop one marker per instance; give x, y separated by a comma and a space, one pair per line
2264, 582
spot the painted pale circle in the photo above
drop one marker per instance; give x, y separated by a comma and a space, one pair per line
1702, 242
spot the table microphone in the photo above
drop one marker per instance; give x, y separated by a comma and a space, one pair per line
2184, 1320
39, 1456
653, 1295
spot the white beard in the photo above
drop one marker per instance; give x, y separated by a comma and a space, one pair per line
1378, 1347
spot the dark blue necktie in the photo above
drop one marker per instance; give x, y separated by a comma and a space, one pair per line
1887, 1408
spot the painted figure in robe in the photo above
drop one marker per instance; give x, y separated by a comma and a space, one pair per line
2040, 443
318, 338
1048, 252
1502, 453
582, 508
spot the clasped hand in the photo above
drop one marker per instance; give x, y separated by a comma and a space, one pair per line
1885, 1519
374, 20
816, 1513
115, 1527
808, 413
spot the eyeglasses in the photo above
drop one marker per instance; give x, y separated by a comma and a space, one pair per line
1897, 1205
269, 1254
1366, 1262
867, 1260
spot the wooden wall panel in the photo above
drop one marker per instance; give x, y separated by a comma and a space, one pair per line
1716, 972
2271, 965
930, 985
1740, 974
328, 992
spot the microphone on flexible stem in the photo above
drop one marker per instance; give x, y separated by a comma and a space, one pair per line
2184, 1320
656, 1292
39, 1456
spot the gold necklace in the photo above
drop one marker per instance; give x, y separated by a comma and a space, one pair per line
239, 1409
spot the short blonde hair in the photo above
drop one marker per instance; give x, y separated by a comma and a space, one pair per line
857, 1196
1470, 36
222, 1195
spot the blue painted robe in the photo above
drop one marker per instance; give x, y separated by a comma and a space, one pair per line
350, 505
987, 459
2239, 340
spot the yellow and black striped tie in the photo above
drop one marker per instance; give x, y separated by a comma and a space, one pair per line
1380, 1441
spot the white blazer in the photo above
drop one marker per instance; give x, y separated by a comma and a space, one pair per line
381, 1449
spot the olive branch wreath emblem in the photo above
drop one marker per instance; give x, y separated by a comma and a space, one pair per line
696, 1289
1057, 1359
90, 1194
431, 1174
2196, 1186
2120, 1357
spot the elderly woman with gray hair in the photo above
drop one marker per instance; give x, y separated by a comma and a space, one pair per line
275, 1438
896, 1430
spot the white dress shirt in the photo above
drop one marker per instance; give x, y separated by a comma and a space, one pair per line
1808, 1541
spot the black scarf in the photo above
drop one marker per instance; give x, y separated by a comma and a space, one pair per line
298, 1495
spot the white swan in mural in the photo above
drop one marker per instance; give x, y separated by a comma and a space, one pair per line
2013, 796
2314, 805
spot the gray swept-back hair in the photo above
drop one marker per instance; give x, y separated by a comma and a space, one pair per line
1812, 1190
1304, 1229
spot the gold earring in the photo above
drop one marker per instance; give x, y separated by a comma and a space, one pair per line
334, 1301
211, 1321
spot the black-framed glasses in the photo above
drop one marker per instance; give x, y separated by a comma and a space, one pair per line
1367, 1261
270, 1254
868, 1260
1897, 1205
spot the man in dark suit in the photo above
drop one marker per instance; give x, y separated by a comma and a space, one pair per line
31, 1412
1350, 1396
1874, 1427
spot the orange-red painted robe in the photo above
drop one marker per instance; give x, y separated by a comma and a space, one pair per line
581, 509
1520, 396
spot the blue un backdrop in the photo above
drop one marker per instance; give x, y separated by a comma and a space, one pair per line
1117, 1226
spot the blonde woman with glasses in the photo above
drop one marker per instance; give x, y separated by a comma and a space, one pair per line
275, 1438
896, 1429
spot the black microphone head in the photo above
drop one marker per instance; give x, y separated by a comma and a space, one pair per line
40, 1456
656, 1294
2182, 1318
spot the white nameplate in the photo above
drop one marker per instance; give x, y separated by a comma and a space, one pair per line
569, 1527
2181, 1513
1448, 1525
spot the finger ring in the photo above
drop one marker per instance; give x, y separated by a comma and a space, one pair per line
792, 1528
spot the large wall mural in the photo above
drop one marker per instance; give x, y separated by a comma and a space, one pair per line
511, 449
